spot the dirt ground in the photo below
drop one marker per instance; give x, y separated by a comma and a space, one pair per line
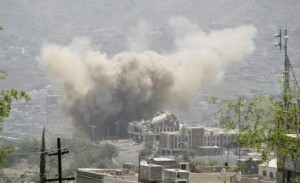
20, 172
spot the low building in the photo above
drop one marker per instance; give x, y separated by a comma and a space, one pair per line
268, 170
150, 173
165, 162
161, 122
176, 176
92, 175
209, 151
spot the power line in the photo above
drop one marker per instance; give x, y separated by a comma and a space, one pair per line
59, 153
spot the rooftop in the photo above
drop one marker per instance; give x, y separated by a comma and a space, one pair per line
163, 159
272, 163
176, 170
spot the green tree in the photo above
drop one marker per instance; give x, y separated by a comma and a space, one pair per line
7, 97
267, 124
43, 159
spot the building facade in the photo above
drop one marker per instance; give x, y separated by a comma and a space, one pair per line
162, 122
188, 138
218, 137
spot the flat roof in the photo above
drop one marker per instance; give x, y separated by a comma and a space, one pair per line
176, 170
209, 147
272, 163
171, 133
162, 159
151, 165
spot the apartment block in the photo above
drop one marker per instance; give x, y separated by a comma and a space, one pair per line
161, 122
218, 137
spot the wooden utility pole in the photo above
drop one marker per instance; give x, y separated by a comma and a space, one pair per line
59, 153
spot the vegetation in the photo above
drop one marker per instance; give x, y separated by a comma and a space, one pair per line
86, 154
265, 123
7, 97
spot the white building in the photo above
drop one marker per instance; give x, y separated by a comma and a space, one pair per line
187, 138
268, 170
162, 122
218, 137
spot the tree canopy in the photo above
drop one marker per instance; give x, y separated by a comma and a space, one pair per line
7, 97
265, 123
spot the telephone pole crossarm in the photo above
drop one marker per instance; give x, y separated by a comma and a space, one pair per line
59, 153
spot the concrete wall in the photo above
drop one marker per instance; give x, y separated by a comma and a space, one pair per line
256, 180
200, 168
88, 177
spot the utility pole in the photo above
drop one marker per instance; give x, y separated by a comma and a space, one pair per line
286, 74
286, 85
93, 131
139, 177
117, 129
59, 153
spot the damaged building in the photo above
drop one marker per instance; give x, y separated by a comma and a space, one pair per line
161, 122
196, 138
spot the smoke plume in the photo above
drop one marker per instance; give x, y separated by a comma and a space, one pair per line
99, 90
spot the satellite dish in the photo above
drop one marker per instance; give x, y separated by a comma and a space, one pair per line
239, 176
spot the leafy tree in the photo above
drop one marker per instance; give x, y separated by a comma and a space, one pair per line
7, 97
267, 124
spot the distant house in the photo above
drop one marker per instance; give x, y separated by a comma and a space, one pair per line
268, 170
176, 175
161, 122
165, 162
91, 175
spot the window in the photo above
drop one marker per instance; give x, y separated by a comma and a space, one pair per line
271, 175
264, 173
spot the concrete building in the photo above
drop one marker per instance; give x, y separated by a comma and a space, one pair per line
176, 176
169, 143
209, 151
268, 170
192, 137
151, 173
165, 162
188, 138
162, 122
218, 137
91, 175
